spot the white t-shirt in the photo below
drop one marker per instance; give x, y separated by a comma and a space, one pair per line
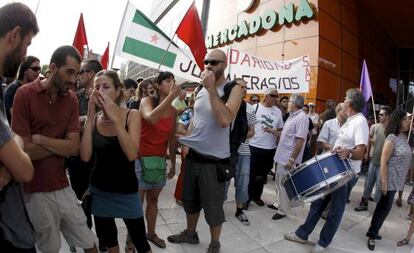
354, 132
266, 117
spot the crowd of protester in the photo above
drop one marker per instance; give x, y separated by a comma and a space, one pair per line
81, 135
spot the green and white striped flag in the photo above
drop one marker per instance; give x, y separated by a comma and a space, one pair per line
141, 41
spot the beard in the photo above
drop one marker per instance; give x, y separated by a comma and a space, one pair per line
61, 85
12, 63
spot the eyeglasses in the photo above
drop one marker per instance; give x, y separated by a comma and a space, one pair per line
212, 62
255, 100
274, 95
83, 71
35, 68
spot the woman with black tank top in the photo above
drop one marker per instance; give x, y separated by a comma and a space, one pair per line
113, 137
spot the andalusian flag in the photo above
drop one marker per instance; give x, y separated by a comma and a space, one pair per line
141, 41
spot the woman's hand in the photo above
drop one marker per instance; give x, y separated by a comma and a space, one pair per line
384, 188
111, 109
175, 89
92, 105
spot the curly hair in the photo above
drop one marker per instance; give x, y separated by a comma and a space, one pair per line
394, 125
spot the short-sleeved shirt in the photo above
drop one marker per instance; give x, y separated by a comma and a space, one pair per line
9, 97
251, 122
267, 117
353, 132
296, 126
207, 137
378, 133
398, 162
329, 132
33, 113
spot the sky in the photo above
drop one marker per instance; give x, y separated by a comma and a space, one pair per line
58, 19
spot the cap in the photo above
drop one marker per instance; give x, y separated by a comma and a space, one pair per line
270, 90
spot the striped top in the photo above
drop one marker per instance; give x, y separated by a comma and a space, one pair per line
251, 121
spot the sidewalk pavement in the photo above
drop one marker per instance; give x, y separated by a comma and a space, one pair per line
266, 235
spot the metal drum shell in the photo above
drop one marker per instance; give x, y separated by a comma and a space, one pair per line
316, 178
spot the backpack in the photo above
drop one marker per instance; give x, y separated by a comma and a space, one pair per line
239, 127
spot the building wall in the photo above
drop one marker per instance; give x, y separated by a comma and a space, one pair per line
286, 42
337, 38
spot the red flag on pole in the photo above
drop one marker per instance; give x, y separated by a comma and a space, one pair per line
80, 37
105, 58
190, 32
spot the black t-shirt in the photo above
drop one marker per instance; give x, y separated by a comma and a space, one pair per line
9, 97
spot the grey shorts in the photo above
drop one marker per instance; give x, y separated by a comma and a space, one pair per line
201, 189
55, 212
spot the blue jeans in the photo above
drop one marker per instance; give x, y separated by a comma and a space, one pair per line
336, 210
373, 178
241, 179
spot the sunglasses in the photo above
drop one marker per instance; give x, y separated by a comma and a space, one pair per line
255, 101
274, 96
35, 69
212, 62
83, 71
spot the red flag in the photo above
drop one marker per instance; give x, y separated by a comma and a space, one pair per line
105, 58
80, 37
190, 32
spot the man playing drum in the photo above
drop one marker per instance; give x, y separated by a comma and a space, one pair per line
351, 143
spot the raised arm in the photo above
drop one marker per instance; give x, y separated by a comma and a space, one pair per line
153, 115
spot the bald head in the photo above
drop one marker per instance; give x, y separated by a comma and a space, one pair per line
216, 54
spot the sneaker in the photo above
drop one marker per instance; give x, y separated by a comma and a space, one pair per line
278, 216
242, 217
294, 238
184, 236
361, 207
317, 249
214, 247
371, 244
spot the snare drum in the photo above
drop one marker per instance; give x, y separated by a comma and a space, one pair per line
316, 178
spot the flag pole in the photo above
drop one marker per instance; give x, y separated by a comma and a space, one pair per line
119, 31
373, 108
165, 52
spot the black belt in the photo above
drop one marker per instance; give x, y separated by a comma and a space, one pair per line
192, 154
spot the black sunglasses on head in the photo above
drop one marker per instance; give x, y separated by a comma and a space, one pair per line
212, 62
35, 69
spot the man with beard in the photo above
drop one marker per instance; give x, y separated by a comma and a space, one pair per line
17, 27
46, 116
209, 144
29, 70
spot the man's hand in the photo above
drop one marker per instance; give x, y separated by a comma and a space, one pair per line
5, 177
342, 152
37, 139
208, 80
289, 164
